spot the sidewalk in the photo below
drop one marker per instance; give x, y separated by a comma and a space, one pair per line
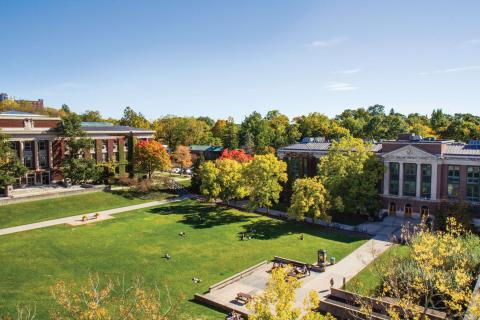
77, 219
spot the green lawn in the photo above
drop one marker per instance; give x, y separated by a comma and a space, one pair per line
134, 243
368, 280
35, 211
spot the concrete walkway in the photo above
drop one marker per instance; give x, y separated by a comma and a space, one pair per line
77, 220
255, 282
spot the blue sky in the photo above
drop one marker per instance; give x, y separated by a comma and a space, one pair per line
221, 58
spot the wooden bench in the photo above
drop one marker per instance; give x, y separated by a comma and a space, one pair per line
244, 297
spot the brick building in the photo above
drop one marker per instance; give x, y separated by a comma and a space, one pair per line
419, 174
37, 144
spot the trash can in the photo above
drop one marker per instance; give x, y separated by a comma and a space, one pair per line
332, 260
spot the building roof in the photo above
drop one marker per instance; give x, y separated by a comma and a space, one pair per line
110, 128
461, 149
204, 148
317, 147
15, 113
96, 124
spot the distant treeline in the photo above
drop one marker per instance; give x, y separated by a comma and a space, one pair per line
262, 134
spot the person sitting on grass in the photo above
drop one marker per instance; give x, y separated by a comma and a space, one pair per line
301, 236
182, 234
196, 280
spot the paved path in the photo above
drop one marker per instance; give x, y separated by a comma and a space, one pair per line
76, 220
255, 282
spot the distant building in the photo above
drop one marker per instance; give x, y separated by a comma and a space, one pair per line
419, 174
209, 152
37, 104
3, 97
37, 144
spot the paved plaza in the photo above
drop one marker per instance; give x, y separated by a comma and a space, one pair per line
254, 281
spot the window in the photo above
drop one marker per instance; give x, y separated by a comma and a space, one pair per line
42, 159
28, 146
409, 179
104, 157
394, 178
28, 161
42, 145
473, 184
453, 181
426, 181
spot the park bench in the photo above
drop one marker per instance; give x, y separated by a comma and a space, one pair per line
244, 297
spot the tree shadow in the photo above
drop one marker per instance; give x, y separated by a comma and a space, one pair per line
267, 229
202, 216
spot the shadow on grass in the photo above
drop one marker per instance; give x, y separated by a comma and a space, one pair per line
151, 195
203, 216
271, 229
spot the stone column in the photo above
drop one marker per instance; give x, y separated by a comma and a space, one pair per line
433, 190
400, 179
419, 181
50, 154
21, 153
35, 154
386, 179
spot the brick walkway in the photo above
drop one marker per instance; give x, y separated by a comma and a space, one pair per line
77, 220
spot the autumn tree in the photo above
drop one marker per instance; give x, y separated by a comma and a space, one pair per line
209, 186
230, 179
182, 157
264, 175
10, 166
134, 119
438, 272
237, 155
309, 199
111, 299
351, 172
150, 156
277, 302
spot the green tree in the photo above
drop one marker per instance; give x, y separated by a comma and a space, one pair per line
439, 122
133, 119
10, 167
196, 181
264, 176
186, 131
75, 165
150, 156
309, 199
318, 125
255, 133
351, 173
91, 116
283, 132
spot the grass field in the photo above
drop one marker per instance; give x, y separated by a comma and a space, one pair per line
368, 280
35, 211
134, 243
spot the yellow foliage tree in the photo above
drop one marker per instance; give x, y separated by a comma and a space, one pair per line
277, 302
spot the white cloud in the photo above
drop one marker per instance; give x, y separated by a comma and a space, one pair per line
450, 70
326, 43
348, 71
473, 41
340, 86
